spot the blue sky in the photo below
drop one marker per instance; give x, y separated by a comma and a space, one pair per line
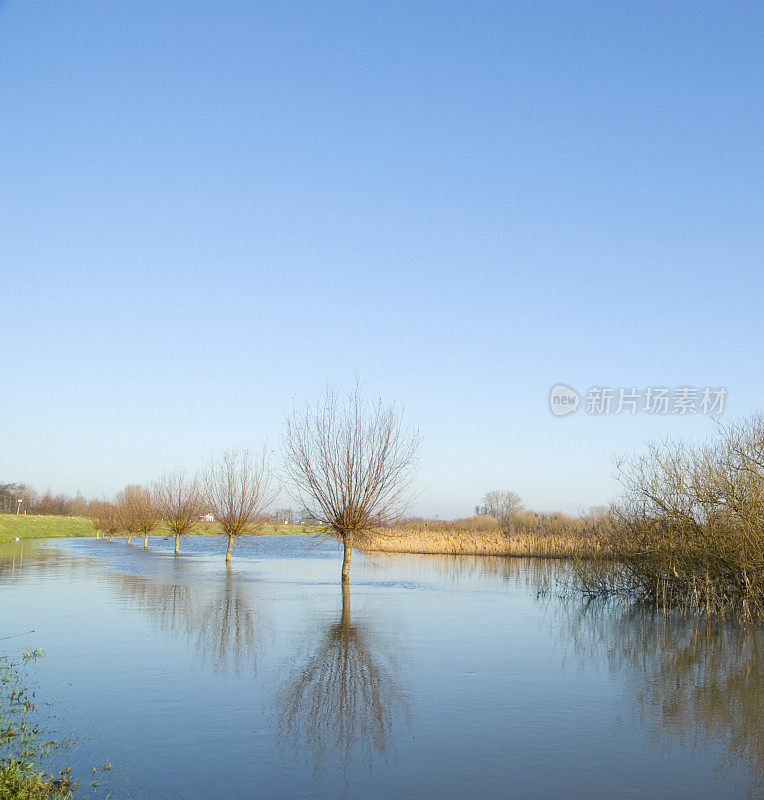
209, 210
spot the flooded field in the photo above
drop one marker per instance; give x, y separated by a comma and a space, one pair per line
430, 677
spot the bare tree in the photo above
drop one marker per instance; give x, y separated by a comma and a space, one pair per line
178, 502
16, 496
104, 518
350, 465
502, 505
142, 510
128, 509
237, 490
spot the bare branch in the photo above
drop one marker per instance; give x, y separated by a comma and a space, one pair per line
237, 489
350, 465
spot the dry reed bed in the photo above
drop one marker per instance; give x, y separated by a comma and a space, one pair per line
482, 543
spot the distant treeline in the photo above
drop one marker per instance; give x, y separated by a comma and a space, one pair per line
499, 512
66, 505
34, 503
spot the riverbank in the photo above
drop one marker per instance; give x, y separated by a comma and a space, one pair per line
39, 526
403, 540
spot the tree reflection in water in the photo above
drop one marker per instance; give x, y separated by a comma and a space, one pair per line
220, 614
346, 697
11, 560
221, 618
699, 683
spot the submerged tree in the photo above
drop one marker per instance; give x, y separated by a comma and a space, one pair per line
237, 490
104, 518
128, 509
688, 530
350, 465
147, 515
139, 512
178, 503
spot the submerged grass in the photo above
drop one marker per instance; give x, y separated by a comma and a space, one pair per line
20, 781
23, 745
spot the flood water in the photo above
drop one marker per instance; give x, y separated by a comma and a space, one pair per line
431, 677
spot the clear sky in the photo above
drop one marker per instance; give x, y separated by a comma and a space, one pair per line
210, 209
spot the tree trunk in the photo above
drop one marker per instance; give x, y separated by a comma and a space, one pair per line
347, 540
345, 620
177, 543
145, 541
129, 537
228, 551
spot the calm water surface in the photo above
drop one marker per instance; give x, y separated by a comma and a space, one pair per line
431, 678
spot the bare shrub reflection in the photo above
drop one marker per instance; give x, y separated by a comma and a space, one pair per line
699, 683
537, 574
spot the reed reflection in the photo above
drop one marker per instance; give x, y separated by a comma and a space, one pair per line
345, 698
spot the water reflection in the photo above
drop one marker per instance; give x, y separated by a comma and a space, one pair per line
221, 614
11, 560
539, 574
693, 682
341, 706
222, 618
345, 697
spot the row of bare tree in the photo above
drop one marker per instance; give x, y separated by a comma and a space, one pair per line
236, 490
348, 463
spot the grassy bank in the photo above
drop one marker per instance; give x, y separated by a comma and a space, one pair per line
213, 529
34, 526
37, 526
